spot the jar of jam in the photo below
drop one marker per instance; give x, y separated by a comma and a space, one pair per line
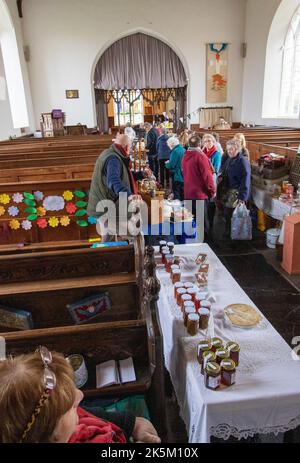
207, 356
205, 303
176, 275
193, 324
177, 260
171, 245
204, 318
216, 343
180, 292
221, 354
185, 297
186, 313
177, 285
212, 376
204, 268
188, 285
198, 298
192, 292
234, 351
165, 252
162, 244
203, 346
169, 261
228, 372
188, 304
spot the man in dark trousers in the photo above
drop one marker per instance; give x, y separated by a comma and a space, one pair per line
151, 142
198, 179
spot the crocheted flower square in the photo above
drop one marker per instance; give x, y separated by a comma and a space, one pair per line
13, 211
53, 222
68, 195
71, 208
65, 221
26, 225
14, 224
17, 198
4, 199
42, 223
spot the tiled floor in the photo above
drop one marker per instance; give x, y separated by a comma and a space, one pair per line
276, 295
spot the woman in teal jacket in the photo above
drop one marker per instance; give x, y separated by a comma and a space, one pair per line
174, 164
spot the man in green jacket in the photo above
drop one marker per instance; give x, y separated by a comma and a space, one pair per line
174, 164
112, 177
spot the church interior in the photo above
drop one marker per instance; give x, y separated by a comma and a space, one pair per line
149, 215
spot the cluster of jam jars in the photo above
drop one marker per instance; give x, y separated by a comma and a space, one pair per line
218, 362
194, 306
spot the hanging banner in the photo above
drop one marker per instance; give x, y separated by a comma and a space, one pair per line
217, 73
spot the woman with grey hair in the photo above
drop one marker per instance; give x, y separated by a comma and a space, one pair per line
234, 182
174, 164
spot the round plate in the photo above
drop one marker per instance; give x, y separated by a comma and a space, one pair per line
242, 315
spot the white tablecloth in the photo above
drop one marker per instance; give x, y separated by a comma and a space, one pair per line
271, 206
266, 396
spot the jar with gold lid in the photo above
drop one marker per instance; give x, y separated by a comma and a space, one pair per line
221, 354
228, 372
177, 285
193, 324
216, 343
234, 351
203, 346
212, 376
207, 356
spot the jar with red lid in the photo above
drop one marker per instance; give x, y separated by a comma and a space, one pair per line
162, 244
207, 356
185, 297
187, 311
177, 285
171, 245
176, 275
180, 292
193, 324
169, 261
228, 372
198, 298
204, 318
188, 284
203, 346
164, 253
192, 292
234, 351
205, 303
212, 376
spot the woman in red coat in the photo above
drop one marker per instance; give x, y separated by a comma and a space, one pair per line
198, 179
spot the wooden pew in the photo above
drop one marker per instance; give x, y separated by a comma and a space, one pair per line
34, 282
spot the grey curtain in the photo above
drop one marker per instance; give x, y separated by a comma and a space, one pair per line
101, 110
139, 61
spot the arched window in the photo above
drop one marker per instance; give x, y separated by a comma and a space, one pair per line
289, 105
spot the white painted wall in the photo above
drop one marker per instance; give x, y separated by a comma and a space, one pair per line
66, 36
259, 18
6, 123
16, 110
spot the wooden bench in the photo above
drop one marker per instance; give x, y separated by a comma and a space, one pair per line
44, 283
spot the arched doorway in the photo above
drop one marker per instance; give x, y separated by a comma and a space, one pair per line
139, 78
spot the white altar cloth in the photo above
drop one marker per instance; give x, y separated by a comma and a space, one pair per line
266, 396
